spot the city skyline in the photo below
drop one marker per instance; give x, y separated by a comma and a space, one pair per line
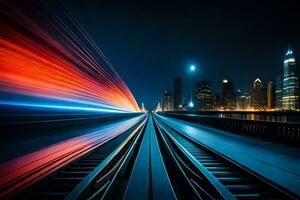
281, 93
149, 100
238, 40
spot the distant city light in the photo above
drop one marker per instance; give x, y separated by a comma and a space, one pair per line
289, 52
193, 68
289, 60
191, 104
257, 80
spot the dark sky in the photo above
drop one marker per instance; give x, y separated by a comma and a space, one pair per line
150, 43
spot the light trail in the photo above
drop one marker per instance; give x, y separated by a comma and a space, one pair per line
62, 107
22, 170
44, 53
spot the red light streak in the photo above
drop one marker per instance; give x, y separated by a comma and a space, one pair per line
22, 170
55, 59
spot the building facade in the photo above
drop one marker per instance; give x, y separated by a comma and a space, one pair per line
271, 95
290, 95
278, 92
217, 102
177, 93
203, 96
259, 95
167, 102
228, 95
243, 100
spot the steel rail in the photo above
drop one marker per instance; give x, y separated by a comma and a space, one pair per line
242, 182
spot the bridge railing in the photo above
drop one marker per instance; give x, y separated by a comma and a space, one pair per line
281, 132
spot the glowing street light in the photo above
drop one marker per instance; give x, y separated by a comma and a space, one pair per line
192, 68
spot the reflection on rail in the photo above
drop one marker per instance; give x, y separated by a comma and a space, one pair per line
138, 158
23, 171
198, 163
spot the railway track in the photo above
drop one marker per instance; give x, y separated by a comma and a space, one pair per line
92, 175
192, 171
210, 175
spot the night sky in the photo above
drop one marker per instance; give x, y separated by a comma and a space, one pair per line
151, 43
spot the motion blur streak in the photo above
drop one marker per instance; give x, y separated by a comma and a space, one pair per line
15, 173
45, 53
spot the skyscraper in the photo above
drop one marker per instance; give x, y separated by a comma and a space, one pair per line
167, 101
259, 95
217, 101
243, 100
177, 93
203, 96
271, 95
228, 95
290, 96
278, 92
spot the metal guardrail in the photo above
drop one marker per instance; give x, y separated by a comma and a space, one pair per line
288, 133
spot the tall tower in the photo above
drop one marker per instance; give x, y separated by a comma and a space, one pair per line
228, 95
278, 92
203, 95
177, 93
243, 100
271, 95
167, 102
290, 96
259, 95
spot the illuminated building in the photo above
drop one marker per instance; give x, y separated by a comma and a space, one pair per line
217, 101
228, 95
243, 100
167, 101
185, 105
239, 100
158, 107
203, 96
278, 92
290, 96
177, 93
259, 95
270, 95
